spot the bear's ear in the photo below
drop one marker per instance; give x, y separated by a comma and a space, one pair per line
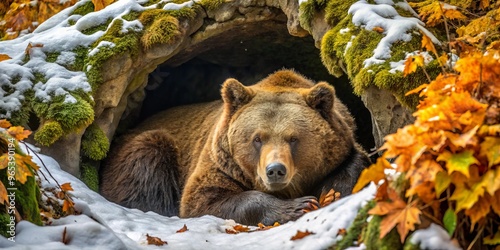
321, 97
235, 95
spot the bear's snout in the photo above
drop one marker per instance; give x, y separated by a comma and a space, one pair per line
276, 172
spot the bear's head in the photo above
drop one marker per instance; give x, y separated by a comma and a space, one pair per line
285, 132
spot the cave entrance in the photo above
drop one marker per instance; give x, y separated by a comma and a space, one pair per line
196, 76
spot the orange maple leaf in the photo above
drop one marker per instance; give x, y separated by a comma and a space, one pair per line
412, 63
155, 241
4, 57
68, 206
66, 187
428, 44
396, 213
5, 124
373, 173
299, 235
18, 132
183, 229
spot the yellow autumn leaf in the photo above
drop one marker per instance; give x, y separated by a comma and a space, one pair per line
458, 162
373, 173
428, 45
490, 148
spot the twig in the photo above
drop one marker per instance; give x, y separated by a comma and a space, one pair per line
43, 163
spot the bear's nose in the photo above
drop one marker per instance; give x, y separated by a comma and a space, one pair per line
275, 172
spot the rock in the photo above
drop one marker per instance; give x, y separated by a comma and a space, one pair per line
387, 113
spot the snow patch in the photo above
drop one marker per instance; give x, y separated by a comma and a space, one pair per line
396, 28
433, 237
400, 65
107, 225
101, 44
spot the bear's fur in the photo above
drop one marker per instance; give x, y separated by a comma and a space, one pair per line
263, 154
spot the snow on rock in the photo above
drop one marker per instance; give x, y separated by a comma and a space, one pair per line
106, 225
396, 28
433, 237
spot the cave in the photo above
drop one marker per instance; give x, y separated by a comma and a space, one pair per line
196, 75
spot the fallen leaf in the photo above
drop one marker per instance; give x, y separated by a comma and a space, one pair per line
155, 241
68, 206
4, 57
378, 29
183, 229
241, 228
64, 240
5, 124
66, 187
342, 232
263, 227
299, 235
18, 132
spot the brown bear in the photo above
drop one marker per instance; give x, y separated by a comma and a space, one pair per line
262, 154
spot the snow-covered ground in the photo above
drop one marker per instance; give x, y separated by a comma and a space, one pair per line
105, 225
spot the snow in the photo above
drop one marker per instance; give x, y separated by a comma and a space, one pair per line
109, 226
57, 35
433, 237
396, 28
400, 65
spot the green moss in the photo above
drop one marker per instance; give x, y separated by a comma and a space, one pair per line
354, 231
26, 196
71, 22
132, 15
211, 4
71, 116
95, 144
90, 176
84, 9
410, 246
371, 237
307, 11
39, 77
336, 11
328, 56
52, 57
162, 30
150, 2
48, 133
100, 27
124, 42
81, 54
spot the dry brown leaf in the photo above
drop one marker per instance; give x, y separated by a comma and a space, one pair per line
299, 235
183, 229
155, 241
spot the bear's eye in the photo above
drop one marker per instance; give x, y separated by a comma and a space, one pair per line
257, 139
293, 139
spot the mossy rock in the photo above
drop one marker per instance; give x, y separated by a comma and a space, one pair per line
26, 196
371, 236
89, 174
95, 144
354, 231
346, 46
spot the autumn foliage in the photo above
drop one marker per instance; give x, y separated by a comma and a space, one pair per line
23, 16
19, 166
446, 165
